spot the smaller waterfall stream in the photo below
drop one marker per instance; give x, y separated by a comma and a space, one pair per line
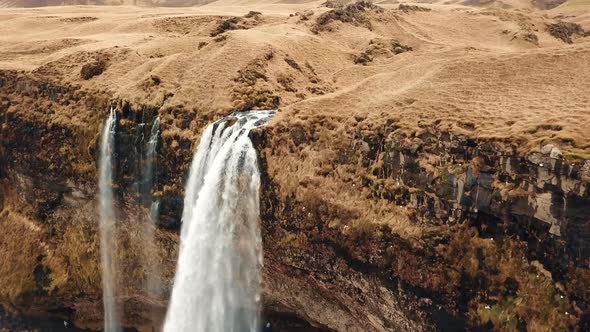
107, 223
150, 158
153, 282
216, 288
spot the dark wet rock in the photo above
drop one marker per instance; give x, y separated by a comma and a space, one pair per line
11, 322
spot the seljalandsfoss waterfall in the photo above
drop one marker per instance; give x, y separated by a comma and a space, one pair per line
428, 170
107, 223
216, 288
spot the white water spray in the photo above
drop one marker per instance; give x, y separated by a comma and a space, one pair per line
217, 283
107, 223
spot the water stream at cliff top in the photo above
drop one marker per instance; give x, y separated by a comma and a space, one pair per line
107, 223
217, 283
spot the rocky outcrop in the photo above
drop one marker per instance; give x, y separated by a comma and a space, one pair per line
491, 226
365, 228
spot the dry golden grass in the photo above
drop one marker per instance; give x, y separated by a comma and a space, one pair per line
472, 70
19, 258
536, 297
74, 258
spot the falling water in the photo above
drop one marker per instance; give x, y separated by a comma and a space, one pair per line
151, 261
107, 223
216, 288
150, 157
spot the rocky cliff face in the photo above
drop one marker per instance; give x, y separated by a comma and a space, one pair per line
362, 226
387, 203
489, 234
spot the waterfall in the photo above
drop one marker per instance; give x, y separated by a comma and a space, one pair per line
150, 159
152, 284
217, 283
107, 223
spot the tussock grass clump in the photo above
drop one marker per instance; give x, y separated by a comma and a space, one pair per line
399, 48
531, 38
253, 14
252, 73
303, 16
253, 90
411, 8
355, 14
287, 82
92, 69
381, 48
249, 20
232, 23
78, 19
258, 99
576, 154
565, 30
363, 59
336, 3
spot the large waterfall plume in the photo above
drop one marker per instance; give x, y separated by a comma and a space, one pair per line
107, 223
217, 283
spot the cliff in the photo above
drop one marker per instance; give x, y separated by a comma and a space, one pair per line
426, 170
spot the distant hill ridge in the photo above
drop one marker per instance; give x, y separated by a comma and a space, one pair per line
541, 4
45, 3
